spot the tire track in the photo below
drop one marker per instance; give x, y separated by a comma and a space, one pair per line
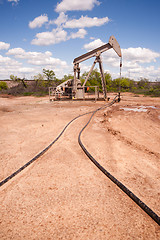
130, 142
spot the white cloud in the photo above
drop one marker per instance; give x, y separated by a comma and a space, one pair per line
56, 36
85, 67
141, 55
94, 44
16, 51
70, 5
150, 73
8, 66
80, 34
4, 46
35, 62
13, 2
48, 38
7, 61
38, 21
36, 58
85, 21
48, 61
136, 60
62, 18
26, 70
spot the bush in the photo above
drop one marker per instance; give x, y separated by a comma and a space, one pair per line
28, 93
3, 85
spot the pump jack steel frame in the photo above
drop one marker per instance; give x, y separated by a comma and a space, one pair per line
73, 87
97, 54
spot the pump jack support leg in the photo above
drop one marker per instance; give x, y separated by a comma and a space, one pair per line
90, 72
76, 70
103, 78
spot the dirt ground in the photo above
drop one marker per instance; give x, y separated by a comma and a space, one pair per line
62, 195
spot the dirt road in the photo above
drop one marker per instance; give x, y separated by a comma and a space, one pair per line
63, 195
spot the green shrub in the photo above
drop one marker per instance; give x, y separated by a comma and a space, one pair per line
28, 93
3, 85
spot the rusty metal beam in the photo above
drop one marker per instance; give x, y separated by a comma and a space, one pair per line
92, 53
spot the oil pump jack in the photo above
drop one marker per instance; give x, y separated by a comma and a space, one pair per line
73, 86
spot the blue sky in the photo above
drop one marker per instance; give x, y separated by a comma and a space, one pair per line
36, 34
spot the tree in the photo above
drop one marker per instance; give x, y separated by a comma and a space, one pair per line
123, 84
66, 77
16, 79
38, 79
50, 75
3, 85
94, 79
108, 80
143, 83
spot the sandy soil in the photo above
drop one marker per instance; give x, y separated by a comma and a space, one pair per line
63, 195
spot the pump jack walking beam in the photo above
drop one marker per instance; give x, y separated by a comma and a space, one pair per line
95, 53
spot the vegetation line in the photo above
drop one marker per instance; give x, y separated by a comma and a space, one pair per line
40, 83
